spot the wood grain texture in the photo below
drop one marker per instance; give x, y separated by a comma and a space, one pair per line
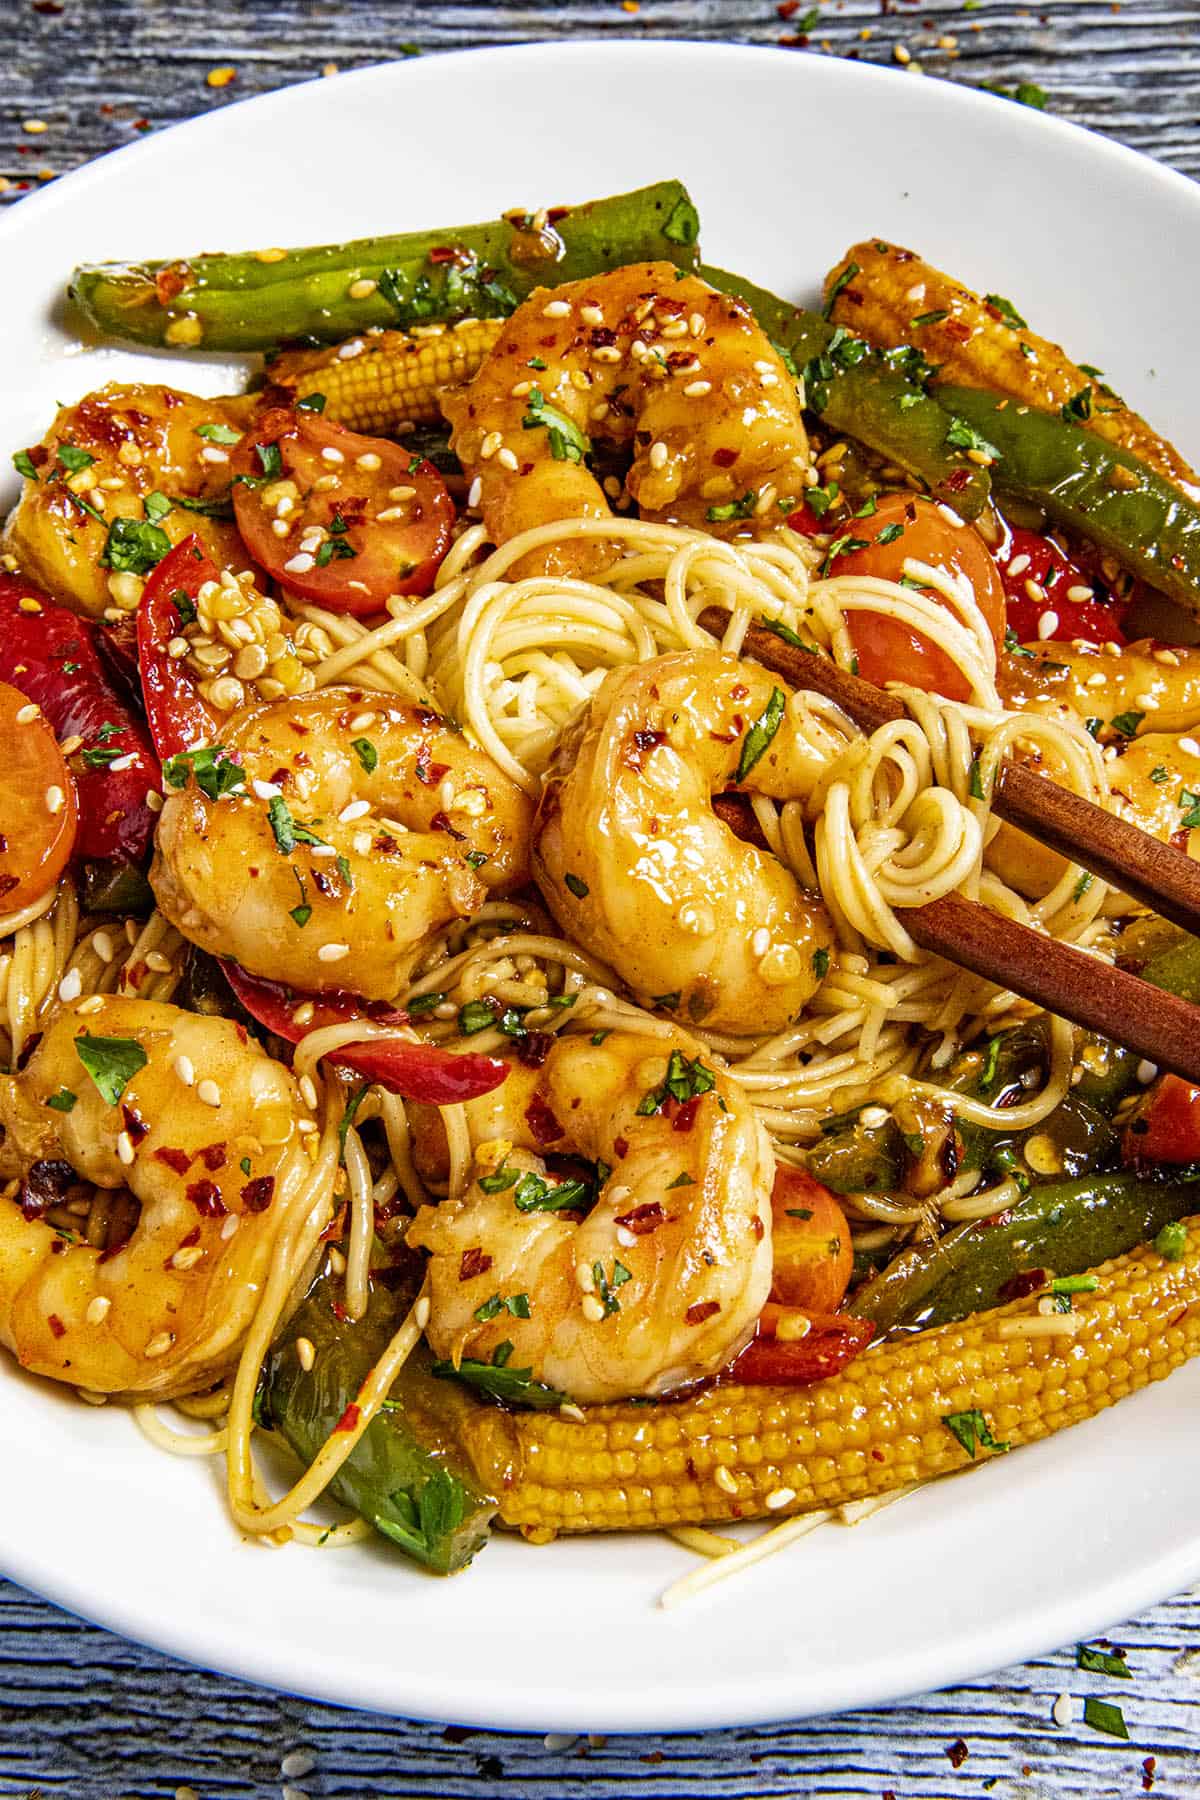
85, 1716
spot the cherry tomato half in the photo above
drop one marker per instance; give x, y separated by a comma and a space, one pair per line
905, 526
367, 521
810, 1241
38, 811
1029, 557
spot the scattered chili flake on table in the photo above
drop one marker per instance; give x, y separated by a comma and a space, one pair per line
957, 1753
221, 77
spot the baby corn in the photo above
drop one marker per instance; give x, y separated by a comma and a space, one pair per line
380, 383
746, 1452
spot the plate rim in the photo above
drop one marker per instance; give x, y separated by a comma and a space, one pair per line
276, 1664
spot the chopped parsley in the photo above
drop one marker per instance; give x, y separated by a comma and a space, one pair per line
686, 1079
758, 739
1127, 723
1171, 1241
367, 755
931, 318
134, 546
820, 963
798, 1212
311, 403
786, 635
1159, 774
156, 506
111, 1062
1078, 408
348, 1116
333, 547
23, 463
1008, 313
991, 1062
734, 509
962, 436
515, 1304
73, 458
1103, 1716
211, 767
841, 546
245, 1165
567, 442
475, 1016
219, 434
978, 792
683, 1179
577, 885
63, 1101
424, 1003
820, 499
1189, 805
270, 463
606, 1286
1014, 646
301, 914
890, 533
423, 1524
1026, 93
516, 1387
535, 1195
1086, 880
500, 1180
535, 362
972, 1431
843, 281
1074, 1284
1093, 727
288, 832
1102, 1662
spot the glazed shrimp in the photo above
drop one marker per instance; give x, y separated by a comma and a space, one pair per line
633, 862
662, 1281
205, 1139
646, 360
133, 441
362, 824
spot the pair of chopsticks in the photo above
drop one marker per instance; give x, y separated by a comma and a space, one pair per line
1053, 975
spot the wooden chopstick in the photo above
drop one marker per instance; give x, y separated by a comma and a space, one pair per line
1159, 876
1053, 975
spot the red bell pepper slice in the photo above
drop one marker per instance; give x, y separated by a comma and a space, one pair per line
418, 1071
1038, 559
180, 717
832, 1341
52, 656
1166, 1128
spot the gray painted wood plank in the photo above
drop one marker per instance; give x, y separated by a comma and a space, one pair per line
87, 1716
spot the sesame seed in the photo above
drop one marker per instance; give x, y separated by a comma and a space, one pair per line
401, 494
362, 289
1063, 1710
1168, 658
265, 790
368, 461
421, 1312
28, 714
161, 1343
186, 1793
658, 454
873, 1118
187, 1257
556, 309
625, 1237
308, 1091
695, 390
1146, 1071
124, 1148
299, 564
154, 801
1079, 593
71, 986
361, 720
157, 963
322, 850
304, 1013
306, 1352
92, 1004
760, 943
1047, 623
356, 809
331, 454
208, 1091
177, 648
507, 459
591, 314
592, 1309
606, 353
120, 763
569, 1410
519, 389
27, 604
724, 1480
71, 744
1189, 746
1148, 702
55, 801
585, 1281
337, 1261
476, 489
210, 454
103, 945
35, 127
98, 1309
490, 445
332, 952
1035, 591
779, 1497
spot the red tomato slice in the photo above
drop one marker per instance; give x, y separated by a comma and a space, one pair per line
832, 1341
38, 811
180, 717
419, 1071
384, 517
1167, 1127
1031, 557
810, 1242
887, 650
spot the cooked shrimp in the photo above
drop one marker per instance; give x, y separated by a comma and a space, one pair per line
662, 1281
362, 824
633, 861
648, 360
98, 462
205, 1138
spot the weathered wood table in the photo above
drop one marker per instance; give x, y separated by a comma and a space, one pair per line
86, 1716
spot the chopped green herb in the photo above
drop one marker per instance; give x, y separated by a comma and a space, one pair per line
424, 1003
577, 885
535, 362
1171, 1242
841, 546
311, 403
1159, 774
606, 1286
930, 318
890, 533
977, 789
333, 547
686, 1079
798, 1212
964, 437
1078, 408
476, 858
366, 753
1086, 880
288, 832
475, 1016
535, 1195
347, 1118
820, 499
820, 963
758, 739
1093, 727
787, 359
1008, 313
499, 1180
683, 1179
843, 281
516, 1304
111, 1062
567, 442
156, 506
516, 1387
212, 767
301, 914
1189, 805
991, 1062
786, 635
73, 459
1014, 646
23, 463
1074, 1284
63, 1101
669, 1002
1102, 1662
1026, 93
1127, 723
245, 1165
1103, 1716
438, 1510
734, 509
972, 1431
219, 434
134, 546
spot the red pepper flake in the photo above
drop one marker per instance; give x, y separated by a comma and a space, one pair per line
349, 1419
56, 1325
205, 1196
643, 1219
258, 1194
339, 1312
474, 1262
725, 458
534, 1048
135, 1125
213, 1157
1027, 1282
47, 1184
179, 1160
193, 1237
958, 1753
1149, 1765
704, 1309
955, 328
685, 1118
542, 1122
429, 773
621, 1147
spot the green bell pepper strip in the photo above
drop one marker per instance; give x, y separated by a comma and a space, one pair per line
1090, 487
241, 302
409, 1474
1064, 1227
856, 390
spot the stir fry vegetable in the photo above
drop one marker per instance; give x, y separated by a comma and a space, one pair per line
257, 300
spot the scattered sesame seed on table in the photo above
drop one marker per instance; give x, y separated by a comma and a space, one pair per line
87, 1716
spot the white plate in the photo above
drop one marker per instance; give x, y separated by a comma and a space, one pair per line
790, 158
